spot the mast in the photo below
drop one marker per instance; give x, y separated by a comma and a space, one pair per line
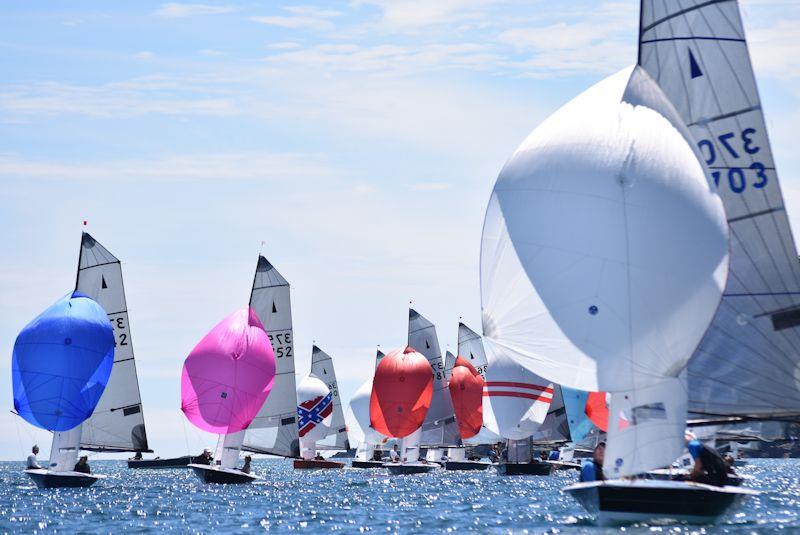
274, 430
439, 428
746, 365
117, 423
322, 369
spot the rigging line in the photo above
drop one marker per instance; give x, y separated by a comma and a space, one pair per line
752, 215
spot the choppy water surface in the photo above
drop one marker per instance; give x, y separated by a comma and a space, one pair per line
352, 501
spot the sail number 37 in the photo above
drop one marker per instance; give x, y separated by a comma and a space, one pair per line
736, 146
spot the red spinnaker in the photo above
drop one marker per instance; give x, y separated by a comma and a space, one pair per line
466, 391
401, 393
597, 409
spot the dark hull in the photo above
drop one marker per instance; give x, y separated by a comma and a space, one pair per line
45, 479
177, 462
565, 465
405, 469
525, 469
366, 464
466, 465
619, 502
211, 474
314, 464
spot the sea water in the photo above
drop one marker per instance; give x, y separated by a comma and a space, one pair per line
353, 501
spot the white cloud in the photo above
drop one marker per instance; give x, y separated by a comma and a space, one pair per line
301, 18
145, 55
412, 15
189, 167
178, 10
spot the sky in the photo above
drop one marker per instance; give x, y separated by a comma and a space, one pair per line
359, 140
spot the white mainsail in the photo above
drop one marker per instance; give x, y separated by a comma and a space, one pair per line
274, 429
604, 256
322, 369
749, 361
117, 423
439, 427
449, 362
470, 347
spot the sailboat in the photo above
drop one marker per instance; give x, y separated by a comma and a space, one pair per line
360, 430
439, 431
402, 391
470, 347
61, 366
226, 379
466, 392
117, 422
516, 402
314, 418
604, 261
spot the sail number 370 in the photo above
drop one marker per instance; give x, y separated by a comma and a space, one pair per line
736, 146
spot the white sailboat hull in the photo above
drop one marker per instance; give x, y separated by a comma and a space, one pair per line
616, 501
49, 479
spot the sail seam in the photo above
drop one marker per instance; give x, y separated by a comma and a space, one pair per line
681, 12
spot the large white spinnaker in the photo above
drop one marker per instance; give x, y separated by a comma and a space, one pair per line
439, 427
117, 423
604, 256
360, 432
322, 369
748, 363
274, 429
515, 400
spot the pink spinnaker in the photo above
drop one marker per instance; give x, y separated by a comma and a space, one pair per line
228, 375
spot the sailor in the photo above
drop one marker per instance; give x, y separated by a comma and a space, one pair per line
592, 470
319, 457
137, 457
709, 466
494, 453
554, 455
205, 457
32, 463
394, 454
82, 465
246, 467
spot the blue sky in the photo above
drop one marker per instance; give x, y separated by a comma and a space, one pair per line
359, 140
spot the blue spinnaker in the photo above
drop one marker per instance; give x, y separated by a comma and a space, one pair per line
579, 423
62, 362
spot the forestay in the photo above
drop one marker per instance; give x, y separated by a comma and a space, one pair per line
747, 364
274, 429
117, 423
322, 369
439, 428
